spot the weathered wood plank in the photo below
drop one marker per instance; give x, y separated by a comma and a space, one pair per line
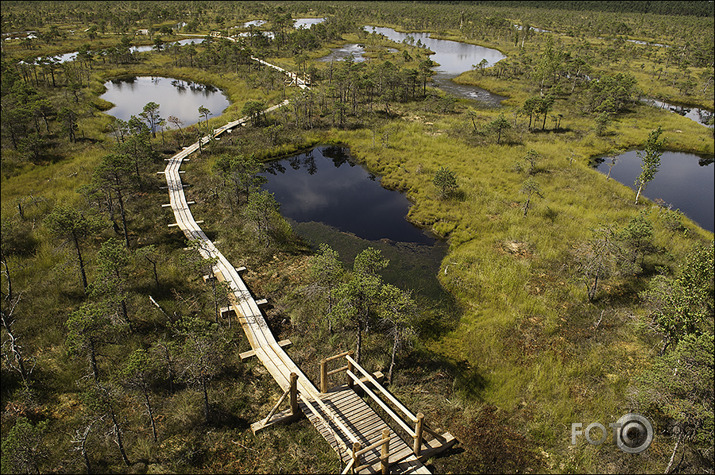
336, 414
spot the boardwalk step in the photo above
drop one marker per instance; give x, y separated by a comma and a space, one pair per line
249, 353
435, 446
333, 410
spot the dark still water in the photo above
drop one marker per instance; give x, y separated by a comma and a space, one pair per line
329, 199
454, 58
175, 97
683, 180
325, 185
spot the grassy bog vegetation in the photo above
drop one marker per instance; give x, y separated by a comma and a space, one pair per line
572, 304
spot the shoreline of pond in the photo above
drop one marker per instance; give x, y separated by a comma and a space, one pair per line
180, 86
380, 217
679, 183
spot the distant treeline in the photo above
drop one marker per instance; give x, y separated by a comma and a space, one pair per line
702, 8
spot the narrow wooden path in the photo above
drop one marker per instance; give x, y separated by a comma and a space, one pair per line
341, 416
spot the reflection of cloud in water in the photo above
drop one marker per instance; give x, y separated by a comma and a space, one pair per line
346, 197
340, 54
305, 198
178, 98
254, 23
306, 22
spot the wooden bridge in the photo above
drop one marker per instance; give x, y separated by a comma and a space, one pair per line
362, 439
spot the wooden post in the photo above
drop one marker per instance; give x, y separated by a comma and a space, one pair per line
385, 452
351, 369
323, 376
356, 457
293, 394
418, 434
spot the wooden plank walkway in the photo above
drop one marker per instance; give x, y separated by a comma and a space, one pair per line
340, 416
363, 421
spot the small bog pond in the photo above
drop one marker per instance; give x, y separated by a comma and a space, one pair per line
683, 180
340, 54
306, 22
328, 198
175, 97
454, 58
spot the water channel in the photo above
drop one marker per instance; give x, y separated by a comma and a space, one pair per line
327, 198
684, 181
701, 116
175, 97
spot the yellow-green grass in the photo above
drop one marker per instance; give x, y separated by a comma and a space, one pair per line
502, 293
506, 297
58, 181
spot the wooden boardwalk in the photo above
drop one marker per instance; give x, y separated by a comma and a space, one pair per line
341, 416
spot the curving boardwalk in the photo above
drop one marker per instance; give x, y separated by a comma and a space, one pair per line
341, 416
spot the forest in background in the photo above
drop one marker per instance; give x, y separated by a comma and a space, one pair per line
571, 303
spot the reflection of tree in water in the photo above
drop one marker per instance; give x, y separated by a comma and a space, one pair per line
339, 155
275, 168
310, 165
179, 85
121, 81
704, 116
294, 162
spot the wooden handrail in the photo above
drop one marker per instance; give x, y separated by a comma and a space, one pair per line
384, 406
339, 355
417, 443
348, 467
373, 446
324, 373
389, 396
342, 368
384, 453
356, 456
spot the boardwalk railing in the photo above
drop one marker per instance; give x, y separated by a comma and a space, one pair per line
412, 424
357, 452
345, 420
